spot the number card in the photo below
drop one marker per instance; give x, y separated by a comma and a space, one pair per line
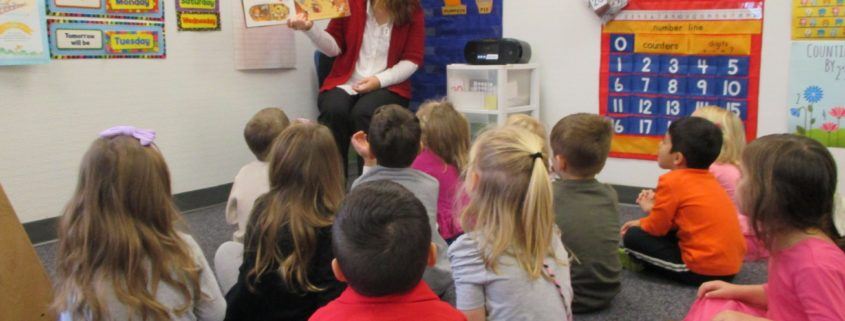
662, 60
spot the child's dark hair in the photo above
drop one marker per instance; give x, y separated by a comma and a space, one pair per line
263, 128
394, 136
698, 139
381, 239
789, 183
584, 141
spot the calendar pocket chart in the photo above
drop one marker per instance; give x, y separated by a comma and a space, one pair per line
662, 60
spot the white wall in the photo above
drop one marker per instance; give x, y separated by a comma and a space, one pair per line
565, 40
195, 99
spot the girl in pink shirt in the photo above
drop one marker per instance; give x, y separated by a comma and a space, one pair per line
445, 140
788, 192
726, 169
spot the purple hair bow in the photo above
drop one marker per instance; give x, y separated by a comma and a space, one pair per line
145, 136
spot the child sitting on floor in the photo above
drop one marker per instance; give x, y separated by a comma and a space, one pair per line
286, 274
251, 181
120, 256
389, 148
691, 233
445, 140
510, 264
726, 168
382, 246
787, 189
586, 210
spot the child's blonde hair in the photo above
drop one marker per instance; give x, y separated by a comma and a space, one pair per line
733, 132
118, 232
531, 124
445, 132
306, 188
510, 205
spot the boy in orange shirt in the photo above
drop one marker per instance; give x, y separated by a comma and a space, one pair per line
691, 233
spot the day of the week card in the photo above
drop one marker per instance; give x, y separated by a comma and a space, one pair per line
82, 39
662, 60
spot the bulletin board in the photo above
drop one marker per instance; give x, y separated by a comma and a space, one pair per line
662, 60
450, 24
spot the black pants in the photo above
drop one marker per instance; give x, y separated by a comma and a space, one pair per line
662, 255
345, 114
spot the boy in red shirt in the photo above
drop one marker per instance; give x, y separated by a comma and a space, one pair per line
382, 244
691, 233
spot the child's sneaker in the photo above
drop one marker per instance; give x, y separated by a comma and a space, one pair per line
629, 263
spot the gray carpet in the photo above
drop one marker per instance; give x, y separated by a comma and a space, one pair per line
643, 297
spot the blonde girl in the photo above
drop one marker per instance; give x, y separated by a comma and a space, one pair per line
531, 124
726, 168
120, 256
511, 264
788, 192
286, 272
445, 140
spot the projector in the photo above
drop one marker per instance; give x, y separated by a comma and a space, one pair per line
497, 52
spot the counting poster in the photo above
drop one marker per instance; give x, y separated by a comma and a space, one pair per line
662, 60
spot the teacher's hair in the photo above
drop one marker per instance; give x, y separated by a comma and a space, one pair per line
400, 10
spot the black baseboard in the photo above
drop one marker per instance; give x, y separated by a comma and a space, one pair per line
45, 230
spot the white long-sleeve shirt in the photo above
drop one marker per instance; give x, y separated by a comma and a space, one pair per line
372, 58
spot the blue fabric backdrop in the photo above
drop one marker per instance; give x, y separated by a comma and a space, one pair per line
445, 40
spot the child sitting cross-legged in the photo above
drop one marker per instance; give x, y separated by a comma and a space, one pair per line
691, 233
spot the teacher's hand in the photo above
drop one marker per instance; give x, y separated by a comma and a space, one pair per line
367, 85
300, 22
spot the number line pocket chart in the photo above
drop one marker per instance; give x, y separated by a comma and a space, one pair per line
662, 60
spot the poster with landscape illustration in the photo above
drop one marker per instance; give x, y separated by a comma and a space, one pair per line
22, 36
817, 102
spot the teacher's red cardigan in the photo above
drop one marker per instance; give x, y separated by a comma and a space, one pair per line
407, 42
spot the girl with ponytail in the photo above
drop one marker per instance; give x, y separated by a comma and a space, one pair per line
511, 264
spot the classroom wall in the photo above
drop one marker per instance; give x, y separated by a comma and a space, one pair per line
195, 100
198, 103
564, 38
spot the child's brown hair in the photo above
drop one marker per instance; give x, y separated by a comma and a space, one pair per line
306, 188
445, 132
263, 128
788, 184
118, 232
584, 141
401, 11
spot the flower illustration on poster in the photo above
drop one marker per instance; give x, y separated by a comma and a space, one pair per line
817, 106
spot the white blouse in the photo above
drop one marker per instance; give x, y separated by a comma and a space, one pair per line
372, 58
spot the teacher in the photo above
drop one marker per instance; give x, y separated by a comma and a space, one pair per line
377, 48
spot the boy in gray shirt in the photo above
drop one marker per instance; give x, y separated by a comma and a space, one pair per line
389, 148
586, 210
